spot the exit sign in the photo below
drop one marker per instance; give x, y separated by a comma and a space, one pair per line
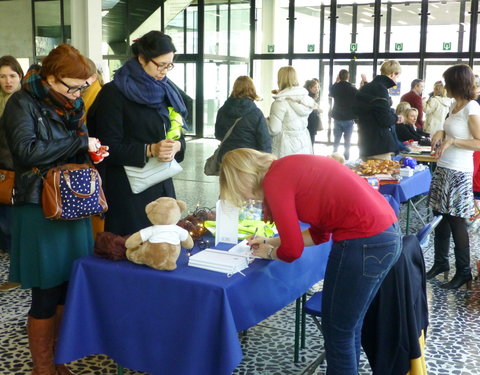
353, 47
447, 46
398, 46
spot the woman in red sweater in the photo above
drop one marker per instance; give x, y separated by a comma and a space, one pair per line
335, 202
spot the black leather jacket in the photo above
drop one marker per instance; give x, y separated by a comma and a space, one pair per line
38, 138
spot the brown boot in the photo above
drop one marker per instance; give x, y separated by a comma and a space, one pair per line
40, 339
61, 369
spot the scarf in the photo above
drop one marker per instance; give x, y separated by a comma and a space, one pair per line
71, 111
141, 88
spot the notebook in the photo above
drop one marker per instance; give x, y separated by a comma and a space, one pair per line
219, 261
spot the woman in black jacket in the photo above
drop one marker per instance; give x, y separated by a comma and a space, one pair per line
408, 131
44, 126
132, 115
251, 131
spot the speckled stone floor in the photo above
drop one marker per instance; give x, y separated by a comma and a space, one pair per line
452, 346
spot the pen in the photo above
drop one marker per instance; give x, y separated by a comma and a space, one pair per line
254, 236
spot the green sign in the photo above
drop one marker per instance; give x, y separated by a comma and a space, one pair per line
398, 46
353, 47
447, 46
271, 48
311, 47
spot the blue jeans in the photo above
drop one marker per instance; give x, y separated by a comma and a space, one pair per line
355, 270
346, 128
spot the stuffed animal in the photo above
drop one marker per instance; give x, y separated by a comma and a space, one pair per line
158, 246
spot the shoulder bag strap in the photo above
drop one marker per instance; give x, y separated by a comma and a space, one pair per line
230, 130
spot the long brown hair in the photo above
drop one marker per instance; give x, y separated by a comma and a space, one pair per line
244, 88
460, 81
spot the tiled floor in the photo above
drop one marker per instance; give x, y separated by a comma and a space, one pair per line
452, 346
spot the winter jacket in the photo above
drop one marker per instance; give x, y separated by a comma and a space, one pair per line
343, 93
38, 138
376, 118
436, 109
289, 120
250, 132
407, 132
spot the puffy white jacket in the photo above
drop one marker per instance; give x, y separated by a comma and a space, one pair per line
436, 109
288, 122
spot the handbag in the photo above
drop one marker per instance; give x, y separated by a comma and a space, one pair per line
72, 192
7, 182
154, 172
212, 164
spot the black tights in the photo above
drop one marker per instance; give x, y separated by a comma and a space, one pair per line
455, 226
45, 301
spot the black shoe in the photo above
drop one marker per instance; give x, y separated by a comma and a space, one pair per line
458, 281
438, 269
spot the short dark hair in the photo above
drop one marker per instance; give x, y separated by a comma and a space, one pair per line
415, 82
153, 44
65, 61
460, 81
343, 74
12, 62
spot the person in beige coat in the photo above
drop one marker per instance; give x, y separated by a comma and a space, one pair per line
436, 109
289, 113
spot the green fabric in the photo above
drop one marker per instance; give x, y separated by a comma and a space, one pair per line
176, 127
43, 251
248, 227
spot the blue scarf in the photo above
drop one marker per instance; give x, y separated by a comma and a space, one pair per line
141, 88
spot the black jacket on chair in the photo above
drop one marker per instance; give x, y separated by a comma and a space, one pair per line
372, 105
250, 132
398, 314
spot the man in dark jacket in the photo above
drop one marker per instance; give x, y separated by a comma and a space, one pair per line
343, 92
376, 118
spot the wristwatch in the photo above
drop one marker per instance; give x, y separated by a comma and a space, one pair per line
269, 253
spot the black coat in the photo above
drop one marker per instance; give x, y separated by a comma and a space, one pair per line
38, 138
126, 127
376, 118
250, 132
343, 93
406, 132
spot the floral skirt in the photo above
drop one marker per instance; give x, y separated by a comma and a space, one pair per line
451, 192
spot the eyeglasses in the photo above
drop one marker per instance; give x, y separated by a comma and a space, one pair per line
163, 66
74, 89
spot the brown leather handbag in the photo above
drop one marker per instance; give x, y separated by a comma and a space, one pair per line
72, 192
7, 182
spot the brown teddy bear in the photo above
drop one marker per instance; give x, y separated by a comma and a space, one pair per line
158, 246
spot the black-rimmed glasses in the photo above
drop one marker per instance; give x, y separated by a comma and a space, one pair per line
163, 66
74, 89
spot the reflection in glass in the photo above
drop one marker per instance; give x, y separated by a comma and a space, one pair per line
307, 27
365, 26
272, 26
48, 27
443, 27
344, 28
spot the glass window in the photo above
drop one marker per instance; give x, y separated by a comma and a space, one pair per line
271, 26
307, 27
404, 34
409, 73
240, 30
444, 27
114, 27
48, 27
365, 21
434, 69
343, 36
176, 29
216, 27
184, 76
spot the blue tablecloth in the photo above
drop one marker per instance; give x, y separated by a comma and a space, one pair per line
393, 202
409, 187
181, 322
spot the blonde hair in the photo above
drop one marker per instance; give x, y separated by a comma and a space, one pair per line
243, 167
244, 88
407, 112
439, 89
390, 67
287, 77
402, 108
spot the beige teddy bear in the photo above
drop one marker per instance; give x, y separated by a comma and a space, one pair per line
158, 246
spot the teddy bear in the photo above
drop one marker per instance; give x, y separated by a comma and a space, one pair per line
158, 246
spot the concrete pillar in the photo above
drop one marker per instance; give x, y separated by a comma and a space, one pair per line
86, 20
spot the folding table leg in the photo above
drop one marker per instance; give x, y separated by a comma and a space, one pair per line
407, 225
296, 351
304, 323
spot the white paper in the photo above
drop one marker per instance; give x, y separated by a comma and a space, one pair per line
226, 223
219, 261
242, 249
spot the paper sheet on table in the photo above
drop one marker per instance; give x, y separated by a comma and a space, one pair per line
227, 223
242, 249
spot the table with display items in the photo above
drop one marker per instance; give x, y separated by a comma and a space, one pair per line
408, 188
184, 321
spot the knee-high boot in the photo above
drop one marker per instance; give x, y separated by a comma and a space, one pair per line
40, 339
463, 273
440, 263
61, 369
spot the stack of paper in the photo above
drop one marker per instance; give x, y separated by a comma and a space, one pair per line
219, 261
